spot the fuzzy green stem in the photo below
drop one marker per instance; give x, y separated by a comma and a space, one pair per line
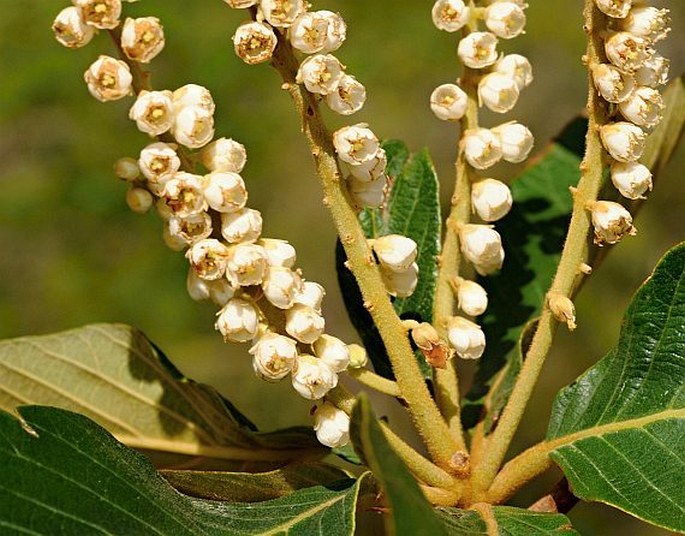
376, 382
574, 253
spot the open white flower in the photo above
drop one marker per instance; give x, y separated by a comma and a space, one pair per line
238, 321
516, 66
516, 141
313, 378
193, 96
153, 112
246, 265
312, 295
159, 162
281, 285
498, 92
101, 14
225, 191
224, 155
626, 51
617, 9
348, 97
450, 15
644, 107
505, 19
482, 148
320, 73
333, 352
631, 179
282, 13
612, 84
275, 356
653, 72
448, 102
108, 79
142, 39
191, 229
278, 252
304, 323
624, 141
611, 222
71, 29
478, 50
183, 194
647, 21
244, 225
194, 127
254, 42
208, 258
356, 144
371, 169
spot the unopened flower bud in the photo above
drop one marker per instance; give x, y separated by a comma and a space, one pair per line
304, 323
282, 13
499, 92
505, 19
631, 179
434, 349
516, 141
395, 252
358, 356
139, 200
108, 79
142, 39
281, 285
482, 148
191, 228
225, 191
278, 252
320, 73
624, 141
194, 127
647, 21
127, 169
312, 378
275, 356
653, 72
102, 14
241, 4
482, 246
220, 291
450, 15
254, 42
244, 225
372, 169
246, 265
401, 284
333, 352
70, 29
478, 50
198, 288
312, 295
448, 102
332, 426
617, 9
626, 51
562, 308
611, 221
367, 194
348, 97
466, 337
491, 199
159, 162
193, 96
472, 298
612, 84
356, 144
224, 155
516, 66
644, 107
153, 112
208, 258
238, 321
183, 194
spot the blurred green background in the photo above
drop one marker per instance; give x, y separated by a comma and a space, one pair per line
73, 253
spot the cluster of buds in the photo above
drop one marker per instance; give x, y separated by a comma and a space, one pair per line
396, 256
628, 81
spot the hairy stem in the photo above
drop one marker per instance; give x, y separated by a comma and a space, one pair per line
574, 253
376, 382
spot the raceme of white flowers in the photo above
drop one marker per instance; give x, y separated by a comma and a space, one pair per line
628, 79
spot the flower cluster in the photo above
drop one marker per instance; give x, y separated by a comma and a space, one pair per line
495, 81
628, 81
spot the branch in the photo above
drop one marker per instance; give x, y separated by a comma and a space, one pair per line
376, 382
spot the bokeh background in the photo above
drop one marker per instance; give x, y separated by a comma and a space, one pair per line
73, 254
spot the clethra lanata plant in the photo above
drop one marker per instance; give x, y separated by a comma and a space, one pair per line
156, 453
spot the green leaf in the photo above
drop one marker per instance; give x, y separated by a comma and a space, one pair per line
489, 520
117, 377
618, 432
63, 474
410, 512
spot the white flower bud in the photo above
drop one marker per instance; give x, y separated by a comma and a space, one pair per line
517, 67
320, 73
225, 191
127, 169
482, 148
395, 252
644, 107
183, 195
478, 50
275, 356
472, 298
244, 225
194, 127
102, 14
333, 352
516, 141
626, 51
254, 42
153, 112
246, 265
367, 194
482, 246
358, 356
653, 72
142, 39
466, 337
631, 179
220, 291
304, 323
193, 96
312, 378
624, 141
450, 15
614, 8
238, 321
505, 19
198, 288
70, 29
318, 31
281, 285
312, 295
224, 155
647, 21
356, 144
499, 92
332, 425
448, 102
278, 252
611, 222
159, 162
372, 169
191, 228
282, 13
400, 284
139, 200
491, 199
208, 257
348, 97
174, 243
612, 84
108, 79
241, 4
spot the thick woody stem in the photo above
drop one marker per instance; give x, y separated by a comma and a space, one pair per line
574, 253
